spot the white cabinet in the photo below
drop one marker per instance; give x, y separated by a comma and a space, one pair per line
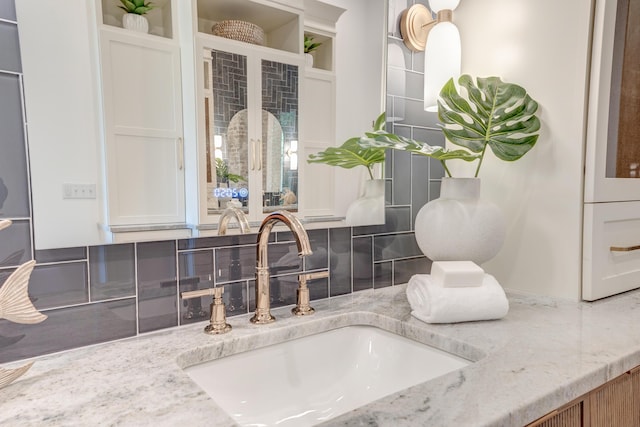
244, 103
144, 157
318, 109
611, 232
249, 132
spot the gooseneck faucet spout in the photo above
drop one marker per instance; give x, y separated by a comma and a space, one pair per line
238, 214
263, 302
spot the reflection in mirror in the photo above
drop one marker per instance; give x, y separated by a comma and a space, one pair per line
70, 112
279, 143
227, 137
623, 152
231, 153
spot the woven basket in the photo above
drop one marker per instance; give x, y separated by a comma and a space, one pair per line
239, 30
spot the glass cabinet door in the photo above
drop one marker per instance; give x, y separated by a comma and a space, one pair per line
227, 130
279, 142
623, 154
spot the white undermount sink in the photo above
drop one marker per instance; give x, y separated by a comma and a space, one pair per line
309, 380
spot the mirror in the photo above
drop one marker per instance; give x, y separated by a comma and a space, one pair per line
229, 160
623, 151
67, 121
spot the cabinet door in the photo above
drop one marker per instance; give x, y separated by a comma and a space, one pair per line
227, 119
613, 404
278, 145
143, 122
572, 415
319, 131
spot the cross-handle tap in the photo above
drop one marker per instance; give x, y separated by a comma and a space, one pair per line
263, 297
303, 308
218, 321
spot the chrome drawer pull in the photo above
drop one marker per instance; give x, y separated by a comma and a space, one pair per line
624, 249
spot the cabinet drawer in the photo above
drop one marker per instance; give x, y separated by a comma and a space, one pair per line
611, 249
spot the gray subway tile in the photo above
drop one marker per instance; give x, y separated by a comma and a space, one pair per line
404, 269
195, 273
112, 271
235, 263
14, 189
420, 183
392, 246
414, 113
402, 178
57, 285
397, 218
319, 259
340, 261
68, 328
283, 258
434, 190
282, 291
236, 298
157, 287
218, 241
9, 48
382, 274
8, 10
15, 244
61, 254
362, 263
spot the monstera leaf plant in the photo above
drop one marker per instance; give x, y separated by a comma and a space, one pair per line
353, 153
490, 113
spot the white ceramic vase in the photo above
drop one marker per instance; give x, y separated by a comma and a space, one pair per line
308, 59
135, 22
459, 226
368, 209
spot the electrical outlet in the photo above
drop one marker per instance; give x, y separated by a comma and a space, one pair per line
78, 191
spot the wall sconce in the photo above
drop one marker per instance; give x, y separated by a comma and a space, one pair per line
440, 40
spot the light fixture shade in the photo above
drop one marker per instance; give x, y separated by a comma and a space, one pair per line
438, 5
442, 61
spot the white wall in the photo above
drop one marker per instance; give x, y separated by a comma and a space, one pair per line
62, 120
542, 45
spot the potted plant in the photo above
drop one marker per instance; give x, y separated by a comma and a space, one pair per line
310, 46
133, 19
370, 207
223, 175
489, 113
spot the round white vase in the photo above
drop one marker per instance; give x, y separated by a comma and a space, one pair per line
459, 226
368, 209
135, 22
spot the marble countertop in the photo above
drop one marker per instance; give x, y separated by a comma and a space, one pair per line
545, 353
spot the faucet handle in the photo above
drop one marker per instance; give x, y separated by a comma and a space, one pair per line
302, 307
218, 320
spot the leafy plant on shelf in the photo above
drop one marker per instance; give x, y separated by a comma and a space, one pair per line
309, 45
139, 7
223, 174
351, 153
492, 114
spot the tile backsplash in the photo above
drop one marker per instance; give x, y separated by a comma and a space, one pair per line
102, 293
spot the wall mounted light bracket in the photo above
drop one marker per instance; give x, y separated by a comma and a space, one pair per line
415, 24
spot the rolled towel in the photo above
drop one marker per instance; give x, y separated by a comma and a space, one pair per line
433, 303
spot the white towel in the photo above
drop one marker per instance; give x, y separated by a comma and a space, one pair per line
433, 303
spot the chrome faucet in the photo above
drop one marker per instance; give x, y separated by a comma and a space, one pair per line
263, 302
238, 214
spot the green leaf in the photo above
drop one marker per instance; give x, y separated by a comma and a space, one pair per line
493, 113
380, 122
386, 140
128, 6
142, 10
349, 155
